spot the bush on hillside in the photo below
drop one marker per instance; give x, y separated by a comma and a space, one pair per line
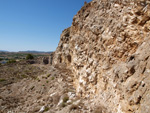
11, 61
29, 56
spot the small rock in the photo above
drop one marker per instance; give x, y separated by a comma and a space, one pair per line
42, 109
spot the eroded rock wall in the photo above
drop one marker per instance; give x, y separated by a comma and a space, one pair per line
108, 48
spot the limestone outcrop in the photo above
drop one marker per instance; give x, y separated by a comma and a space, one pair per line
107, 49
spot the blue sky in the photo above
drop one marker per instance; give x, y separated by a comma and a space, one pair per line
35, 24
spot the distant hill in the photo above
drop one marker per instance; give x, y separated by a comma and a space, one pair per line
34, 51
3, 51
28, 51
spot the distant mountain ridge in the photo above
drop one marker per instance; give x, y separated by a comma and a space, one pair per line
3, 51
30, 51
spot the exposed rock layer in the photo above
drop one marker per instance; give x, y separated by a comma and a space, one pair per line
107, 48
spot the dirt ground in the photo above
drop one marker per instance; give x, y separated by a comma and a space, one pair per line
50, 91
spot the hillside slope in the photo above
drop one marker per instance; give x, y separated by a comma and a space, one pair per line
107, 49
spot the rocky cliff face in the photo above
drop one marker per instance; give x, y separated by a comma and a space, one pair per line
107, 49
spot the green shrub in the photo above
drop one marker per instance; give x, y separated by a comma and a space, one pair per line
1, 59
63, 104
24, 76
11, 61
38, 79
46, 109
48, 75
32, 87
65, 99
52, 78
2, 80
29, 56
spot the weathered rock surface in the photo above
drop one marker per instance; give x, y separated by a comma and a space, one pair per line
107, 49
104, 55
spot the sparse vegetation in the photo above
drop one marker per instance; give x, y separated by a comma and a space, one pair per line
32, 87
46, 109
18, 71
38, 79
43, 77
2, 80
24, 76
11, 61
19, 56
48, 75
63, 104
52, 78
65, 99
